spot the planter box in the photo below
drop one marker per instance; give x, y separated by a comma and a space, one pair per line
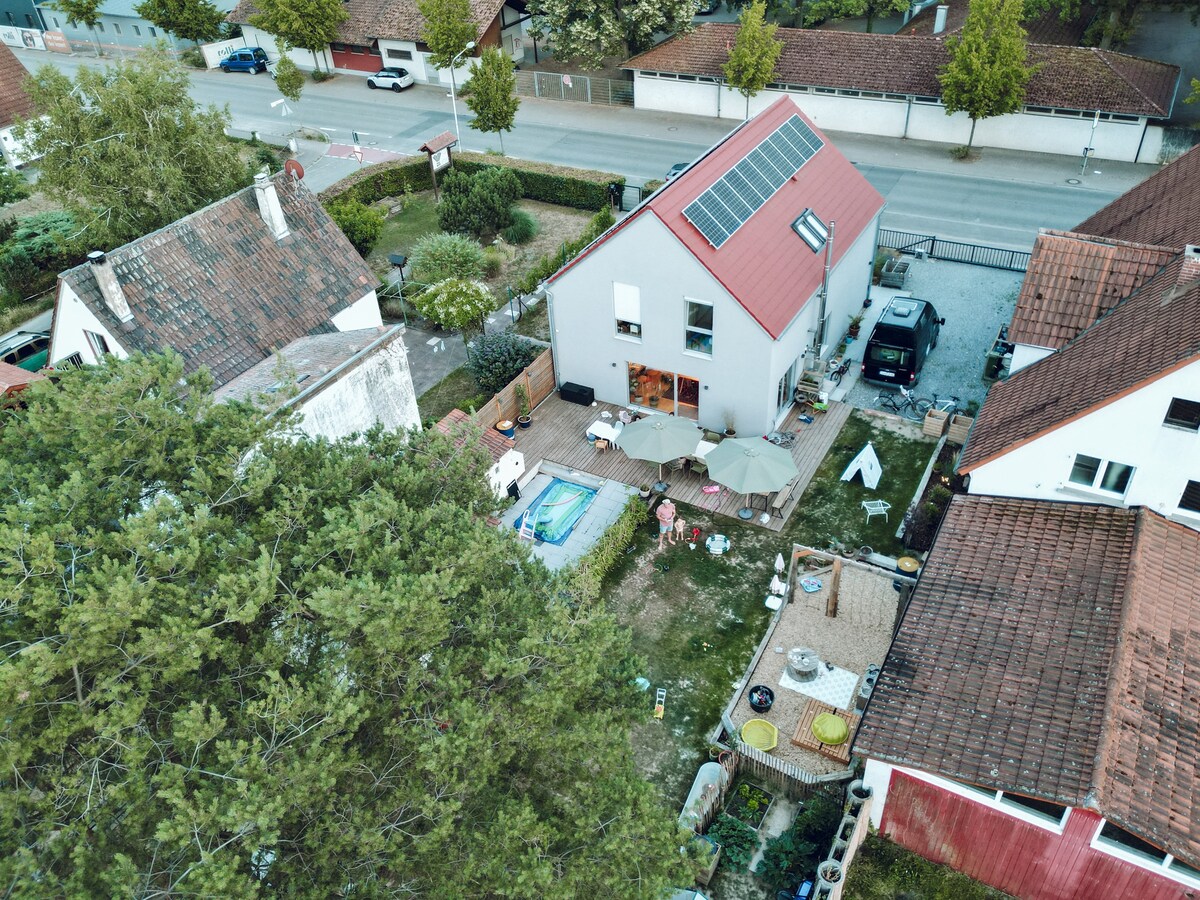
935, 422
739, 806
959, 427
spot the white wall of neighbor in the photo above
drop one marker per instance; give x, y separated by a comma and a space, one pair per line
1026, 355
510, 468
71, 319
1130, 431
256, 37
363, 313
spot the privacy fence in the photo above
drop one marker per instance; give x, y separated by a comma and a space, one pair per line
954, 251
538, 379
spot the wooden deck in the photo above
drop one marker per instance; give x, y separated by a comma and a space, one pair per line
559, 435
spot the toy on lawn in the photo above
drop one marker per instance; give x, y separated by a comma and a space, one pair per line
660, 703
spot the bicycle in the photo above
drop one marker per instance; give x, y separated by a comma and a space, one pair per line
905, 403
950, 406
836, 375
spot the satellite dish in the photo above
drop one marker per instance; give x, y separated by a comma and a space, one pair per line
293, 168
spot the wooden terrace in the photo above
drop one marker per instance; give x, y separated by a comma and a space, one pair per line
559, 434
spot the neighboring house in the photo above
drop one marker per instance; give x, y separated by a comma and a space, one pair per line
119, 26
228, 287
344, 382
382, 33
707, 300
508, 463
13, 380
15, 104
1047, 27
888, 85
1037, 719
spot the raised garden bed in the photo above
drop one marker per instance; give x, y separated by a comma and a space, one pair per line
749, 803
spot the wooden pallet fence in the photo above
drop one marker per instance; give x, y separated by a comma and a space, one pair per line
960, 426
935, 423
538, 379
792, 781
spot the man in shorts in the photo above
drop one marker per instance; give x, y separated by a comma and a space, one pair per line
666, 522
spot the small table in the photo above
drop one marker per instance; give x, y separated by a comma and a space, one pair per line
803, 736
602, 429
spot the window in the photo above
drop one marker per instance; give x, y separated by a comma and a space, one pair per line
393, 53
1096, 473
56, 25
627, 307
152, 32
1113, 835
698, 334
98, 344
1184, 414
11, 20
811, 230
1050, 811
1191, 497
116, 28
29, 20
74, 361
100, 27
1176, 866
137, 29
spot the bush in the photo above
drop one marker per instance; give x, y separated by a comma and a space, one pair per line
456, 303
319, 75
360, 223
793, 854
437, 257
523, 228
499, 358
478, 204
13, 186
35, 250
651, 186
193, 57
738, 841
587, 576
963, 152
493, 262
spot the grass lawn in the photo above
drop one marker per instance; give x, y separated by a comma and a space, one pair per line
882, 870
402, 231
458, 389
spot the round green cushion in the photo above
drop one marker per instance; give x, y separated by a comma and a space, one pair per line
829, 729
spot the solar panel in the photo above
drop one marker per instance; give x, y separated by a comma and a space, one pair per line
743, 190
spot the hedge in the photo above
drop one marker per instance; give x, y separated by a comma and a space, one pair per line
585, 579
562, 185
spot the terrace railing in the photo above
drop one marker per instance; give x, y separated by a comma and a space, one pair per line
954, 251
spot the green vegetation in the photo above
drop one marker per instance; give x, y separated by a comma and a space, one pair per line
307, 24
480, 203
498, 358
289, 79
448, 29
362, 224
189, 20
13, 186
755, 51
883, 870
33, 250
788, 858
491, 93
403, 231
437, 257
456, 303
588, 574
739, 842
523, 228
458, 390
586, 31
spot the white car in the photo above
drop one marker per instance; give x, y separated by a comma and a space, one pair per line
396, 79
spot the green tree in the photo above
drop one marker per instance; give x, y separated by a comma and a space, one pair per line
754, 53
478, 204
308, 24
855, 9
191, 20
437, 257
126, 148
448, 29
1194, 96
288, 78
491, 93
13, 186
362, 224
457, 304
586, 31
987, 72
239, 664
82, 12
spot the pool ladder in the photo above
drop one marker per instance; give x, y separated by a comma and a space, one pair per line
525, 532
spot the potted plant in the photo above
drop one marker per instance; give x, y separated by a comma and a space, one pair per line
522, 394
644, 491
856, 321
730, 422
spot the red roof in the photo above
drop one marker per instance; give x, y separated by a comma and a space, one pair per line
441, 142
768, 269
14, 379
458, 424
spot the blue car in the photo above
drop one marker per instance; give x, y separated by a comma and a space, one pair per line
248, 59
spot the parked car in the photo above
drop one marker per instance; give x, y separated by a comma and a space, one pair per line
249, 59
906, 332
26, 349
393, 78
676, 169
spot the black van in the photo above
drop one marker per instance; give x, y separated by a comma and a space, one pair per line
907, 330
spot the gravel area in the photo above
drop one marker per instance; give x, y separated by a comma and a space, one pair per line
975, 301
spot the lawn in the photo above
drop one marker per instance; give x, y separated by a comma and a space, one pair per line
883, 870
402, 231
456, 390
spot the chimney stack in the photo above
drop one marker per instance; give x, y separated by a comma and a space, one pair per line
110, 288
939, 19
269, 207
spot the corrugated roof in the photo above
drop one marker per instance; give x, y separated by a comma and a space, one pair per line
458, 424
1072, 279
1080, 78
14, 102
764, 265
1164, 209
1052, 649
216, 288
396, 20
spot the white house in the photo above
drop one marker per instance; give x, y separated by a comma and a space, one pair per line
232, 284
888, 85
710, 298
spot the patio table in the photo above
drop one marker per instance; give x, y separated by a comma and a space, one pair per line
602, 429
702, 450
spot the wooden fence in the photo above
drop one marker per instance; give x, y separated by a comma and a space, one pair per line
538, 379
792, 781
708, 806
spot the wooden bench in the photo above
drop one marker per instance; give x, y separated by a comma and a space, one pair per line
779, 501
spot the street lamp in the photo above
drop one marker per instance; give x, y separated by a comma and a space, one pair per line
453, 88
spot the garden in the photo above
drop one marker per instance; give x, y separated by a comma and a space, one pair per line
883, 870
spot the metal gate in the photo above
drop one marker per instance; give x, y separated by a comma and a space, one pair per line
954, 251
576, 88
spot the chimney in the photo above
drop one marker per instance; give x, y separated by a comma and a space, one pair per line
110, 288
268, 206
939, 19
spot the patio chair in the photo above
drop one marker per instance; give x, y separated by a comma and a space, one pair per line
876, 508
675, 465
699, 467
601, 445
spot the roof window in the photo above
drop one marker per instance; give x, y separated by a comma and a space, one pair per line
811, 229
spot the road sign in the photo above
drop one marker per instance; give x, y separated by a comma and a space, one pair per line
357, 153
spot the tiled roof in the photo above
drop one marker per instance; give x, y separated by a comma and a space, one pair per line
1143, 338
1051, 649
457, 423
216, 288
1047, 28
396, 20
764, 265
1068, 77
14, 378
1072, 279
14, 102
1164, 209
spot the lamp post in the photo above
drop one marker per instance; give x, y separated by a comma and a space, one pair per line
453, 87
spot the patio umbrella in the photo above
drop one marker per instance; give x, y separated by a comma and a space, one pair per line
779, 563
750, 465
660, 439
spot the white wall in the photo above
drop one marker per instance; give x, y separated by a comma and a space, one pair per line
14, 151
417, 66
71, 319
255, 37
1026, 355
1129, 430
363, 313
510, 468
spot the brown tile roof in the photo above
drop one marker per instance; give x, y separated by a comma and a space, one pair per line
14, 379
1142, 339
458, 424
1069, 77
1072, 279
217, 289
1047, 28
397, 20
1164, 209
14, 102
1052, 649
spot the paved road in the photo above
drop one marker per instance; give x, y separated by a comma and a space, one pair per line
1001, 199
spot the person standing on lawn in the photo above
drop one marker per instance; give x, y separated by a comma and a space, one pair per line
666, 520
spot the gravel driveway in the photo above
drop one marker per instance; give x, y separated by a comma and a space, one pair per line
974, 301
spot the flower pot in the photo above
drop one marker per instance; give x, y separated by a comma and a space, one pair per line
506, 427
853, 330
829, 873
524, 421
760, 698
729, 432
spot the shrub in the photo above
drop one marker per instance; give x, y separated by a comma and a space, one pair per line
939, 495
963, 152
522, 229
587, 576
499, 358
651, 186
319, 75
36, 249
13, 186
478, 204
881, 259
738, 840
493, 262
437, 257
797, 851
456, 303
193, 57
360, 223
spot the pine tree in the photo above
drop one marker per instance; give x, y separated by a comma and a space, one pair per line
755, 52
987, 73
491, 94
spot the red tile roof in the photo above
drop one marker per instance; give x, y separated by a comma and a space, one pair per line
1151, 334
1072, 279
764, 265
1051, 649
14, 379
1164, 209
14, 102
1080, 78
1047, 28
460, 425
397, 20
